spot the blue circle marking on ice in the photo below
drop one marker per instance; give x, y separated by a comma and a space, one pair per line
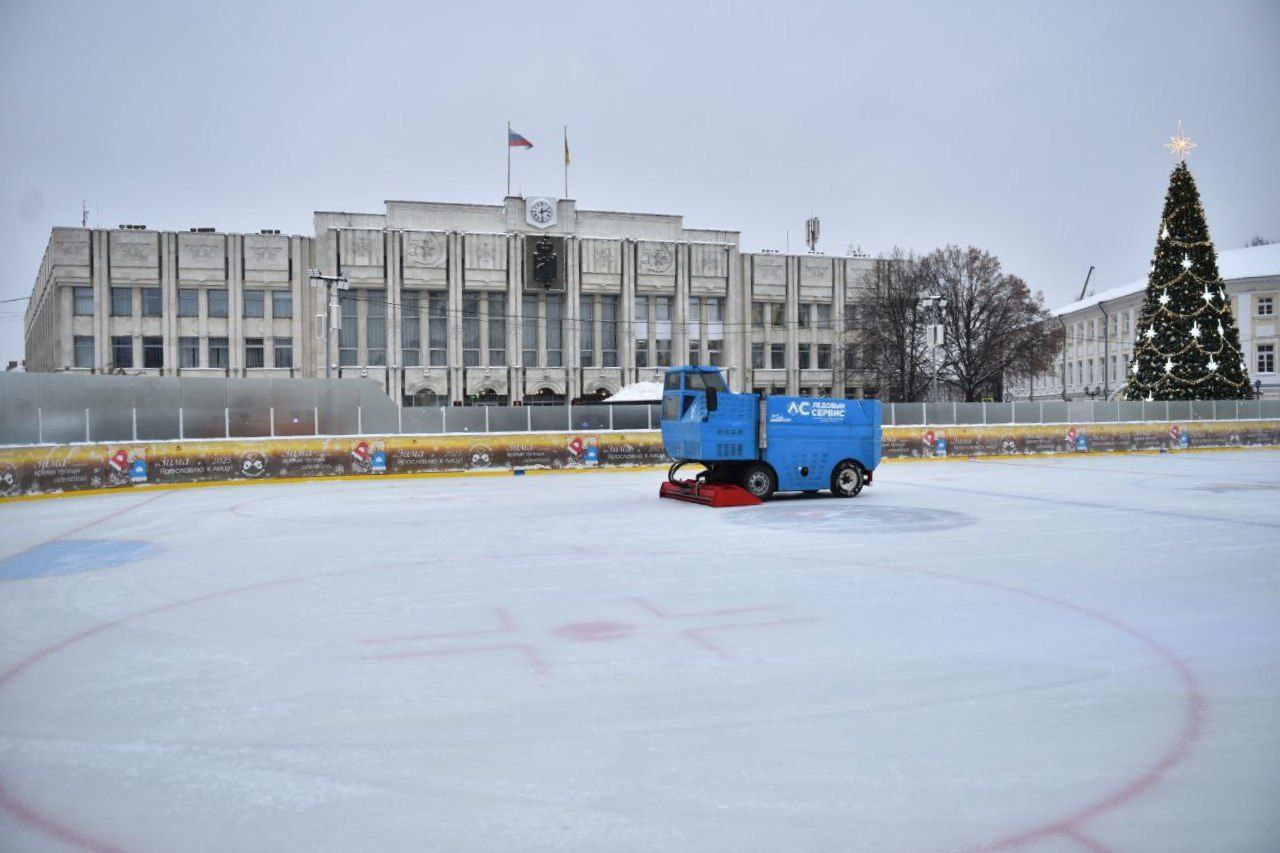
71, 556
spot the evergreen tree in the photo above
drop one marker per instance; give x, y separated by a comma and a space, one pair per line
1188, 345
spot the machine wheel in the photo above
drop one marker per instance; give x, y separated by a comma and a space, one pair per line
759, 480
847, 479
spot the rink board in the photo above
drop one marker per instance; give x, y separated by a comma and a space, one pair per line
61, 468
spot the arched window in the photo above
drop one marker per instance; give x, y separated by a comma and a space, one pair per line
486, 397
425, 397
545, 397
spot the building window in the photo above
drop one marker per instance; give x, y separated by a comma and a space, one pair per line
253, 302
757, 314
283, 352
497, 307
153, 352
281, 304
529, 331
1266, 358
470, 330
662, 331
641, 334
349, 332
217, 297
713, 314
587, 333
805, 364
850, 317
777, 356
188, 302
824, 316
122, 302
776, 314
555, 331
82, 302
437, 329
219, 353
188, 352
1266, 306
375, 327
609, 331
121, 351
802, 314
152, 302
757, 356
852, 357
715, 352
254, 355
82, 353
824, 356
410, 330
693, 325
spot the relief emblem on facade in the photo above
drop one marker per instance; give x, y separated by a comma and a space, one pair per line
70, 252
264, 256
133, 252
424, 250
486, 252
657, 259
709, 261
769, 270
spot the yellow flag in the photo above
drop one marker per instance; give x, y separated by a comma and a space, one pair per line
566, 148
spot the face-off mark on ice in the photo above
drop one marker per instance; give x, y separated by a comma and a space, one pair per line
589, 631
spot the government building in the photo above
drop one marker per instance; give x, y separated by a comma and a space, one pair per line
530, 301
1098, 332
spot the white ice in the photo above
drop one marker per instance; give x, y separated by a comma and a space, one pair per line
1050, 654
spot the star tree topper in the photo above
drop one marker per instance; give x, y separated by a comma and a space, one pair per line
1180, 145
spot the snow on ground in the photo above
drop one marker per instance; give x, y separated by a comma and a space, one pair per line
1049, 654
638, 392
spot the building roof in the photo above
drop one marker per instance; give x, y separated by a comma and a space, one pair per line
1253, 262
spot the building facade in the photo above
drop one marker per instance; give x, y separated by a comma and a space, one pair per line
1099, 332
529, 301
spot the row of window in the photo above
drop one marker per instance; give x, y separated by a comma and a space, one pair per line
809, 315
152, 302
219, 352
809, 357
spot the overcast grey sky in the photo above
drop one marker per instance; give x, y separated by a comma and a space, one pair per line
1033, 130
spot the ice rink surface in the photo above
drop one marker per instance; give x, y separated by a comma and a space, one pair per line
1051, 654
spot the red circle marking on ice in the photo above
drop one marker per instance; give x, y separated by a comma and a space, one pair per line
593, 631
1069, 825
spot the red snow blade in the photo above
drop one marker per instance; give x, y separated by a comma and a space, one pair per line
708, 494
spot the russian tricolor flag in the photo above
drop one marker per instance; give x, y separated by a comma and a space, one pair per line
515, 140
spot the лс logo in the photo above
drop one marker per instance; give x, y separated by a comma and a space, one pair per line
794, 408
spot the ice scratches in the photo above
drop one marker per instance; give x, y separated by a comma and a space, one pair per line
1158, 513
852, 517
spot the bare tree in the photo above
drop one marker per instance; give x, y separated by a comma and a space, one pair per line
995, 325
892, 330
1258, 240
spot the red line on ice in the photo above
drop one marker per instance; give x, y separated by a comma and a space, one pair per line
1193, 725
506, 625
663, 614
529, 652
696, 634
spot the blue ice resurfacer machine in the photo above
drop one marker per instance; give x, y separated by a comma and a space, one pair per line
752, 446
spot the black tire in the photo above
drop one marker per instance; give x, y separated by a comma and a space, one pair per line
759, 479
847, 479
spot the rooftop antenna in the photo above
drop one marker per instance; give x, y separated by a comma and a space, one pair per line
1084, 286
84, 213
811, 227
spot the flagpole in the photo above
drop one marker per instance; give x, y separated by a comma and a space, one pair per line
508, 158
566, 161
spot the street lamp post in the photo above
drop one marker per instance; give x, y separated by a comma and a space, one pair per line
335, 312
936, 333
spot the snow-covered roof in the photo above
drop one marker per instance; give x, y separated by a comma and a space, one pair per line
638, 392
1253, 262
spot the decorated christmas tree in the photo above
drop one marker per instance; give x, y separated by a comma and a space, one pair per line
1187, 345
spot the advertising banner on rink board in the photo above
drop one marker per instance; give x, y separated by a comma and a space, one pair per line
67, 468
